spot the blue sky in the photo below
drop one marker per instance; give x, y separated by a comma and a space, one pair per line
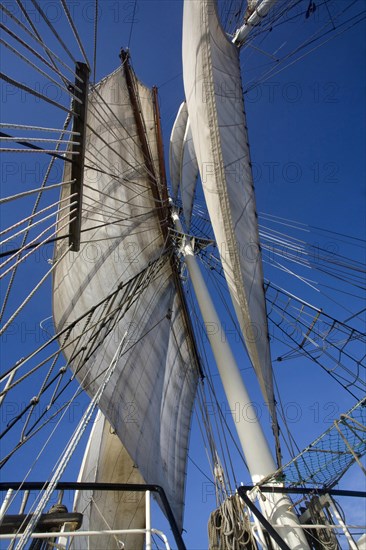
306, 128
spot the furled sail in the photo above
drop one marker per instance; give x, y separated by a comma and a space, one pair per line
119, 292
176, 147
107, 461
183, 162
214, 98
189, 174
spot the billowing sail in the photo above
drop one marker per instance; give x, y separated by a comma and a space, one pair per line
176, 147
214, 98
107, 461
189, 174
120, 295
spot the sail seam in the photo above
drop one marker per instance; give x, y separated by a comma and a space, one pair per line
224, 199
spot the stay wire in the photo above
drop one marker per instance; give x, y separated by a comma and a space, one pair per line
34, 210
119, 127
37, 128
307, 248
87, 328
42, 220
15, 256
29, 90
36, 245
132, 22
112, 149
288, 222
330, 344
51, 66
31, 192
95, 41
342, 272
290, 442
84, 230
310, 256
31, 216
337, 378
52, 28
272, 72
107, 164
75, 31
120, 312
36, 36
43, 73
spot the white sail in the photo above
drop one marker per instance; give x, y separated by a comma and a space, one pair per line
176, 147
189, 174
214, 98
150, 396
107, 461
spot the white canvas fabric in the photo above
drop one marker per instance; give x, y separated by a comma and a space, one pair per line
189, 174
107, 461
176, 148
213, 91
149, 398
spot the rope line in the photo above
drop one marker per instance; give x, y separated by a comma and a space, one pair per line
52, 28
29, 90
74, 30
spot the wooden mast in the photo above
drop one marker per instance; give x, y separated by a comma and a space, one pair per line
160, 192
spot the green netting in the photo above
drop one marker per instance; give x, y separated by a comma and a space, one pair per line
325, 460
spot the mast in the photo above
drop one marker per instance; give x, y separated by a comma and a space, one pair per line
252, 439
167, 205
160, 192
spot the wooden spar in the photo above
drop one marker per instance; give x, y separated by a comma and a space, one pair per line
51, 521
159, 139
165, 197
160, 192
141, 132
77, 166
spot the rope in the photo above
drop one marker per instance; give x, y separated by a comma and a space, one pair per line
119, 127
95, 41
229, 527
74, 29
118, 221
119, 544
37, 38
33, 241
23, 304
34, 210
31, 217
36, 190
67, 455
272, 72
52, 152
132, 22
43, 73
25, 229
40, 128
39, 140
29, 90
52, 28
114, 151
125, 288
